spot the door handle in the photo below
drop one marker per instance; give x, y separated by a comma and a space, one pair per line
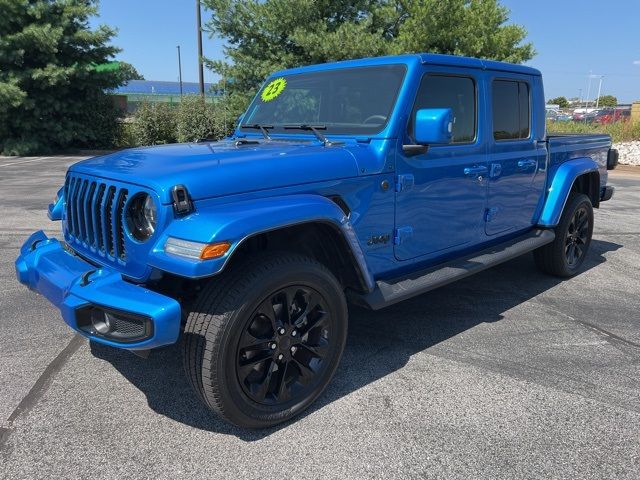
524, 164
478, 170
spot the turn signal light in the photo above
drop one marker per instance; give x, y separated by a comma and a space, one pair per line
214, 250
196, 250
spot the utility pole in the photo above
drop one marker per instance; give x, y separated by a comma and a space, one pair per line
586, 106
180, 70
599, 91
200, 65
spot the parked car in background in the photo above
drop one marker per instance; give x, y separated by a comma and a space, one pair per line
612, 115
557, 116
580, 113
590, 117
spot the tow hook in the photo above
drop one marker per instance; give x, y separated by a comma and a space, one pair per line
84, 280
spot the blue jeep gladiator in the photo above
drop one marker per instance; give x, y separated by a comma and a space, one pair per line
367, 181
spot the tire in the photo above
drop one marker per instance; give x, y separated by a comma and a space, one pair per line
250, 360
564, 256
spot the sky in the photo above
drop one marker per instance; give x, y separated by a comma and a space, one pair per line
573, 39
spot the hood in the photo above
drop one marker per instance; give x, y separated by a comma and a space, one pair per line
223, 168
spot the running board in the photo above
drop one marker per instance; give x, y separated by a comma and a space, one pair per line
393, 291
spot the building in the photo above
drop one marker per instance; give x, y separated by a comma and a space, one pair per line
129, 96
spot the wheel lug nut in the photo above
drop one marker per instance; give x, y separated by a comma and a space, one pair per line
280, 357
281, 331
273, 346
293, 350
294, 333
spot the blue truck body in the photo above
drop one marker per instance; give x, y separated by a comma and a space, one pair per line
390, 207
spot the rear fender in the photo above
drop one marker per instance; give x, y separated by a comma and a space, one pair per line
236, 222
558, 192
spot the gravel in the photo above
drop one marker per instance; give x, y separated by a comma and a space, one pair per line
629, 152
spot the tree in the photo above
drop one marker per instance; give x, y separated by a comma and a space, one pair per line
474, 28
129, 72
269, 35
52, 93
607, 101
562, 102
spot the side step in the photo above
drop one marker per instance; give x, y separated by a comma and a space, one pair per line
393, 291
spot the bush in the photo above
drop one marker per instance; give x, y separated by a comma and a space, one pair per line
197, 119
620, 131
154, 123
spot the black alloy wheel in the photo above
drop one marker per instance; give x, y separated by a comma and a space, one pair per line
577, 237
565, 255
283, 346
263, 340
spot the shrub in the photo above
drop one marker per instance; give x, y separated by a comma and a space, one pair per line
620, 131
154, 123
197, 119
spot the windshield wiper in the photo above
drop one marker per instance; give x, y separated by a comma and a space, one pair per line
263, 128
313, 128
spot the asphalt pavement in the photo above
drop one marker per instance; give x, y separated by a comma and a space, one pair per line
507, 374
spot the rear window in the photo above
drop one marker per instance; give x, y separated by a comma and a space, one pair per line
511, 112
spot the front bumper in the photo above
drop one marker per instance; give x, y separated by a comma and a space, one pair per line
74, 285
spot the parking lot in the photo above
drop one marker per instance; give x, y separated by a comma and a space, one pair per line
507, 374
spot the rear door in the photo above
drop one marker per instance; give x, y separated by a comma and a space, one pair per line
441, 193
517, 159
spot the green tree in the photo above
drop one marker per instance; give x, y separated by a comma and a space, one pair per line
561, 101
264, 36
474, 28
129, 72
51, 91
608, 101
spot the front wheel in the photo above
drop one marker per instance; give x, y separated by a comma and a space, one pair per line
263, 342
564, 256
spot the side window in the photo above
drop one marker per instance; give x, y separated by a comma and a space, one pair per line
511, 115
456, 93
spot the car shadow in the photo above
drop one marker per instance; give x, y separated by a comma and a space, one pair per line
379, 342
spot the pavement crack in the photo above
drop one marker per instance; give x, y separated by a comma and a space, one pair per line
607, 335
39, 388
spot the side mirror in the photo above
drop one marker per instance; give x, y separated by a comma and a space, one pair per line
433, 126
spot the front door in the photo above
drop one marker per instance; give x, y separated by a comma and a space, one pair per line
441, 194
518, 160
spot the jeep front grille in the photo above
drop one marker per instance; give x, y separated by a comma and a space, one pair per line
95, 215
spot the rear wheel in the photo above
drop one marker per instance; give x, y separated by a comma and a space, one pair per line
564, 256
263, 342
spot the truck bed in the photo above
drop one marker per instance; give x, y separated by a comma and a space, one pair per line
564, 147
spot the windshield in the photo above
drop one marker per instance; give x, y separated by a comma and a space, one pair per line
342, 101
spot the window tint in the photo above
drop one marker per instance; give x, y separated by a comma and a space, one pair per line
456, 93
511, 115
345, 100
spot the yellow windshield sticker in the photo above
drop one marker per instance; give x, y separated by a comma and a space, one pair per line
273, 89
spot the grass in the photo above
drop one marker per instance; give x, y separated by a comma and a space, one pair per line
619, 131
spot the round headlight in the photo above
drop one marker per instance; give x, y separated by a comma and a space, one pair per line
141, 217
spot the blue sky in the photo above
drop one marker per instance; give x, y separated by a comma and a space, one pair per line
572, 38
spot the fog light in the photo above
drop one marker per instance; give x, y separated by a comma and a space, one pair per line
119, 326
100, 321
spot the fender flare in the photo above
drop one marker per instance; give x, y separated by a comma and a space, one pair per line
236, 222
558, 192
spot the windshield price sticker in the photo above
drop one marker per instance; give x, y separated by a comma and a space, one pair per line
273, 89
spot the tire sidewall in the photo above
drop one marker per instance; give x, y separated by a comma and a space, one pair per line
234, 400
